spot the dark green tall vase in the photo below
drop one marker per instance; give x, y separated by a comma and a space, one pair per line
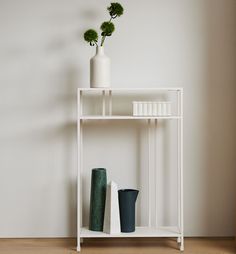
127, 199
97, 199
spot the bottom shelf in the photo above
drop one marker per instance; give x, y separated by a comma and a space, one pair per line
139, 232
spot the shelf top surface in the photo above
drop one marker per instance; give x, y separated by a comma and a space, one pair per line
127, 117
132, 89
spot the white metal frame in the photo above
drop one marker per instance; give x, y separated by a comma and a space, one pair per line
149, 231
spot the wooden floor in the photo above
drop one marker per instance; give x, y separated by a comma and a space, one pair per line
118, 246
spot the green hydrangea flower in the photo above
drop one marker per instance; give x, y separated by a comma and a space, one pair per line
115, 10
107, 28
91, 36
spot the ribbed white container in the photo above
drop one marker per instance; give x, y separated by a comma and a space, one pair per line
145, 108
149, 108
159, 109
140, 108
164, 109
154, 108
135, 108
168, 108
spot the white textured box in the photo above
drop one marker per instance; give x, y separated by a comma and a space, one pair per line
168, 108
145, 108
151, 108
154, 108
140, 108
135, 108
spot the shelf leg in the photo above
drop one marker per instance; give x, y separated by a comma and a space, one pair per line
78, 249
182, 244
81, 240
178, 239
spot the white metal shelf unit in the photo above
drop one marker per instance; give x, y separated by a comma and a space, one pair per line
106, 103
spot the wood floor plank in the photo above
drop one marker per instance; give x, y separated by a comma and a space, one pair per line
117, 246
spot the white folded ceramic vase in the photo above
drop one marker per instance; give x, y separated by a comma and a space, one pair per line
112, 214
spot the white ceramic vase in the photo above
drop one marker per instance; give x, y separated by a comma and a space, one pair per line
100, 69
112, 213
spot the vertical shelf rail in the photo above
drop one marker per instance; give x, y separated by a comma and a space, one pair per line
79, 207
149, 173
80, 103
81, 173
181, 171
110, 102
156, 173
180, 167
103, 102
178, 162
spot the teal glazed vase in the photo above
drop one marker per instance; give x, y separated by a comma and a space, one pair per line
97, 199
127, 200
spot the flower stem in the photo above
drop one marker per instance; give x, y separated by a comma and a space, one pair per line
103, 39
104, 36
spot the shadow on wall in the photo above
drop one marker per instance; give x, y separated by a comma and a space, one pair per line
38, 82
70, 134
220, 135
64, 134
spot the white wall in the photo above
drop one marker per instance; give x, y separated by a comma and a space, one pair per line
189, 43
